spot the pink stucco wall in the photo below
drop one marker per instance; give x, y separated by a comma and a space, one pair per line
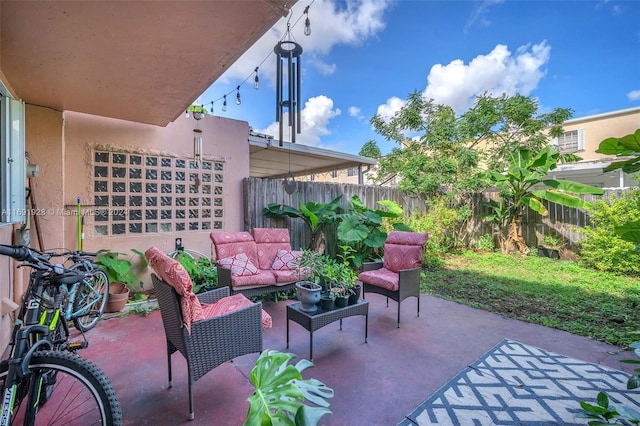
61, 144
6, 285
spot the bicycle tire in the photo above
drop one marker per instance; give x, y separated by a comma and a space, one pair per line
79, 392
99, 286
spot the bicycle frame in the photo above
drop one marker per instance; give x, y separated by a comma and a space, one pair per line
69, 314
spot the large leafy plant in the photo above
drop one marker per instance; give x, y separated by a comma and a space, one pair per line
517, 184
314, 214
280, 392
361, 229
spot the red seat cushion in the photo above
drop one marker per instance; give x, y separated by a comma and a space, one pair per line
233, 303
381, 278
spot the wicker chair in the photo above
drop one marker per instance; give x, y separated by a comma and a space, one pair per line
398, 276
211, 341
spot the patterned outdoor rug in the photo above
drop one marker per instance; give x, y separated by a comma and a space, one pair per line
517, 384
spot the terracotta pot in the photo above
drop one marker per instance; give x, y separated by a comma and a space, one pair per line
118, 296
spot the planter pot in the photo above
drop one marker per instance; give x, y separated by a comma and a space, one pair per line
548, 252
342, 301
327, 303
118, 296
309, 294
353, 298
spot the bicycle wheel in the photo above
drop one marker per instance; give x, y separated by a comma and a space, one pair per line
90, 300
79, 392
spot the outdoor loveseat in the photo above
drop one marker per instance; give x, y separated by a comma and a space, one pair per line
256, 263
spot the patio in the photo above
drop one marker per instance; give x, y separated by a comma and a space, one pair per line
375, 383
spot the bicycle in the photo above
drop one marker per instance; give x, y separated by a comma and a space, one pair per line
45, 386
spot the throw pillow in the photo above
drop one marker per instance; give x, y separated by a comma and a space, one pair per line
239, 264
286, 260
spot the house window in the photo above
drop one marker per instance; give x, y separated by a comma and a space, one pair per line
12, 159
352, 171
334, 174
570, 141
138, 193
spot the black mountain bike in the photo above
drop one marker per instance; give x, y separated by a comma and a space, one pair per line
41, 386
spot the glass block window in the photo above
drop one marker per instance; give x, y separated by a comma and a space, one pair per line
136, 194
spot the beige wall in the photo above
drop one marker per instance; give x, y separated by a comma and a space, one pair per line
600, 127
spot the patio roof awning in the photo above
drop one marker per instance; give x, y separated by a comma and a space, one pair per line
269, 160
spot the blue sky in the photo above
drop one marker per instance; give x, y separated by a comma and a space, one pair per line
364, 57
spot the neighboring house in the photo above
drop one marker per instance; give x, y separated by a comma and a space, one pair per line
583, 135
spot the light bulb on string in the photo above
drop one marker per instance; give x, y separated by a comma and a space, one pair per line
307, 23
256, 81
186, 113
211, 107
238, 100
224, 103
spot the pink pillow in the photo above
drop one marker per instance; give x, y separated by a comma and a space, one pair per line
239, 264
286, 260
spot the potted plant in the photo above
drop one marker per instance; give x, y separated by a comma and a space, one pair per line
327, 300
197, 111
550, 247
121, 278
203, 273
308, 290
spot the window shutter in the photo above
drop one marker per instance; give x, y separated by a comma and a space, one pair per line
12, 161
580, 139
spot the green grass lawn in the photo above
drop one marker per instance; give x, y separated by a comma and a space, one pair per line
554, 293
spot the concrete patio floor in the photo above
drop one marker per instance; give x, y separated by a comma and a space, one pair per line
375, 383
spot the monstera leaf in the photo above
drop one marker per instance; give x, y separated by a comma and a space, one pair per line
281, 391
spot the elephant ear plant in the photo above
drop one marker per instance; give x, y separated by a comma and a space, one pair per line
279, 398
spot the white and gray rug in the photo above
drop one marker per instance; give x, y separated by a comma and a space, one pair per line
518, 384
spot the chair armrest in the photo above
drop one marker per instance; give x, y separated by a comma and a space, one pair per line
224, 277
214, 295
409, 278
370, 266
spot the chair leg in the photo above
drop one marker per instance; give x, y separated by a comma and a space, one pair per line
191, 413
169, 363
398, 313
418, 306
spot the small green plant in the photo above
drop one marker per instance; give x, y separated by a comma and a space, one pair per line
203, 273
604, 412
118, 268
280, 392
551, 241
485, 242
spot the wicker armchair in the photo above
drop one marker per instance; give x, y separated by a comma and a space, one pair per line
208, 329
398, 276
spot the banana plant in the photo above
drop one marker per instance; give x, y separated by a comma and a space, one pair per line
517, 186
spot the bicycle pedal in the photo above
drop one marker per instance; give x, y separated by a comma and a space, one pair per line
74, 346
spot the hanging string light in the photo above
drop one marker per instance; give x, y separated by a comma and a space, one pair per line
307, 23
256, 79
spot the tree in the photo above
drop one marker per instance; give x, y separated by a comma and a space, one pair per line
441, 153
370, 149
517, 192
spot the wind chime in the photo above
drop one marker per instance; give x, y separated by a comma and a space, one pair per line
288, 58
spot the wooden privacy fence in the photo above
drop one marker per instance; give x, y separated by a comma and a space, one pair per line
561, 221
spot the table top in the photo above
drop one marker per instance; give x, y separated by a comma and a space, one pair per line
320, 312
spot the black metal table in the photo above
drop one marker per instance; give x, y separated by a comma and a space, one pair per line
315, 320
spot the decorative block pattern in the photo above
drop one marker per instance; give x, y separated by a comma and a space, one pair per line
518, 384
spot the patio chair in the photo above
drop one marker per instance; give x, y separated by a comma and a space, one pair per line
398, 275
208, 329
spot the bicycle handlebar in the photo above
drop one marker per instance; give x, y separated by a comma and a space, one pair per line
20, 253
41, 261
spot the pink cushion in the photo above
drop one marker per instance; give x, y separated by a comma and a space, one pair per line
174, 274
228, 244
233, 303
268, 242
239, 264
403, 250
286, 259
381, 278
262, 278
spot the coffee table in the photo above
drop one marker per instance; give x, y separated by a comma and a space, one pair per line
318, 319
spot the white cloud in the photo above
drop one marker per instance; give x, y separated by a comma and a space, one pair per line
393, 105
499, 72
316, 114
355, 112
634, 95
332, 23
479, 15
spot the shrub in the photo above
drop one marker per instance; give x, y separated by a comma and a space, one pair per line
603, 249
485, 242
